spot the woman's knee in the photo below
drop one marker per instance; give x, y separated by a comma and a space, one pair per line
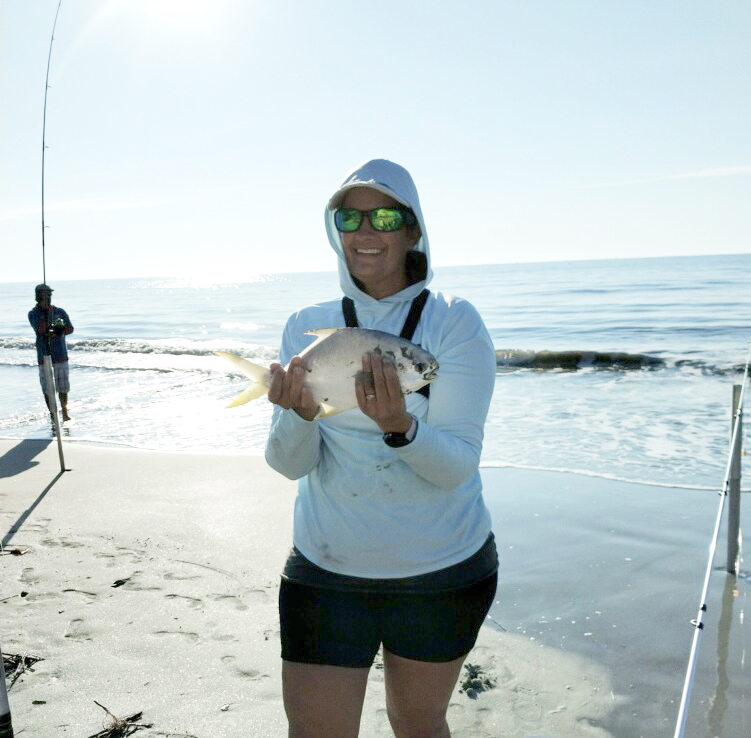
418, 695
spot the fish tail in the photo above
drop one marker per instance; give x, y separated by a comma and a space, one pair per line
253, 392
256, 372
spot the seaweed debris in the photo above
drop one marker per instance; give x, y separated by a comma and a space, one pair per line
475, 682
15, 665
119, 727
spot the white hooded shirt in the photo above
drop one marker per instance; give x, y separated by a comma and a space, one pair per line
364, 509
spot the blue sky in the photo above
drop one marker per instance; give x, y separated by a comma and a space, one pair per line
202, 138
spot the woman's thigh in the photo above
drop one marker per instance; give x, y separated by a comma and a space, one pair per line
323, 701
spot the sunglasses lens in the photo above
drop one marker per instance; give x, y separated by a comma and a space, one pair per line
347, 220
386, 219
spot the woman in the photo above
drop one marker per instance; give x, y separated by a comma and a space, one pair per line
392, 539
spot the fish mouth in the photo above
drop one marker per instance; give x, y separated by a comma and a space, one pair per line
430, 375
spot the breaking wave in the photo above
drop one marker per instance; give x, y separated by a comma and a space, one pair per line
506, 359
513, 359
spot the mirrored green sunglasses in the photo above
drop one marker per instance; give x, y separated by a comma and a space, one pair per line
348, 220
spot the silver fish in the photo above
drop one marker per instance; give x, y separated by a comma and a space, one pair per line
334, 360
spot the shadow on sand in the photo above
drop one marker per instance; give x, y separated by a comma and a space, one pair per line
21, 457
16, 461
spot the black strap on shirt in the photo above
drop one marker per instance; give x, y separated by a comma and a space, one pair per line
350, 320
414, 315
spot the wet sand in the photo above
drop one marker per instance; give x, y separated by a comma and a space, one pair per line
147, 582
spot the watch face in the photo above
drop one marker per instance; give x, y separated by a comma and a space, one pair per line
395, 440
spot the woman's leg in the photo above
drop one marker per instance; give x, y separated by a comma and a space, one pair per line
329, 640
323, 701
432, 634
418, 694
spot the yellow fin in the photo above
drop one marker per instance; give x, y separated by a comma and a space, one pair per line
327, 411
253, 392
256, 372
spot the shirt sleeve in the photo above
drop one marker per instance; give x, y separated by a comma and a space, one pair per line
34, 318
446, 450
68, 324
293, 447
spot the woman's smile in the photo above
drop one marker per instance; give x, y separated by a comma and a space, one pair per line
375, 258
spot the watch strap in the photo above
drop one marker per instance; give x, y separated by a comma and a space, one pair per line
397, 440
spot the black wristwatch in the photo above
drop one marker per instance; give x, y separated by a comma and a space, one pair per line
397, 440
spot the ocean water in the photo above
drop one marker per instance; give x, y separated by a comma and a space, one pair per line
616, 368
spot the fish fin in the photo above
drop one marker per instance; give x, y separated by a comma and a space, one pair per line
327, 411
321, 333
256, 372
256, 390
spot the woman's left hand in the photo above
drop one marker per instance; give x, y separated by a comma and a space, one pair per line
379, 394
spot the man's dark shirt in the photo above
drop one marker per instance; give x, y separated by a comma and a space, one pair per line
58, 349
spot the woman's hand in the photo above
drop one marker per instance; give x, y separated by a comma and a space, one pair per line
288, 391
379, 394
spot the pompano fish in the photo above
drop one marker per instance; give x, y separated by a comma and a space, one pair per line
334, 360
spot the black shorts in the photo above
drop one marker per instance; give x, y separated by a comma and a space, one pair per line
346, 628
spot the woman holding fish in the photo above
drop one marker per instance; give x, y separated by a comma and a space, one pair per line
392, 540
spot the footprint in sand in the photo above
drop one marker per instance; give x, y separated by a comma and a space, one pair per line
231, 600
192, 637
87, 595
77, 630
129, 553
192, 602
61, 543
173, 577
109, 559
525, 705
29, 577
227, 638
244, 673
121, 556
134, 582
40, 526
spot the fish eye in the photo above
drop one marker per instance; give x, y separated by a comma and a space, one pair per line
420, 367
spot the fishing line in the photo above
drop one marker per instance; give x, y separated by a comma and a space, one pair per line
698, 623
44, 128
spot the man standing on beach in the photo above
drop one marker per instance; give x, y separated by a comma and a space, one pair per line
51, 325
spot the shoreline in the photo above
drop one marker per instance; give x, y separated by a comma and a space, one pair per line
258, 454
151, 581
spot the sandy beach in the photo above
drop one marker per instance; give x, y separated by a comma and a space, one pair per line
147, 582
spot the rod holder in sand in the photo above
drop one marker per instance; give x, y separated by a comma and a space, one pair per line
734, 482
49, 389
6, 729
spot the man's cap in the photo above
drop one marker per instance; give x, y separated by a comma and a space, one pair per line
42, 289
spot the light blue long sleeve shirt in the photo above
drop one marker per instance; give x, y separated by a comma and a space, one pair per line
365, 509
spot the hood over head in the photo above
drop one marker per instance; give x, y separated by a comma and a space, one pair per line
395, 181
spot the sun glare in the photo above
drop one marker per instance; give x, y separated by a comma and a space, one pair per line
183, 13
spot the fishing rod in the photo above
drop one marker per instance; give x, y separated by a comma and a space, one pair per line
698, 623
44, 128
49, 375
